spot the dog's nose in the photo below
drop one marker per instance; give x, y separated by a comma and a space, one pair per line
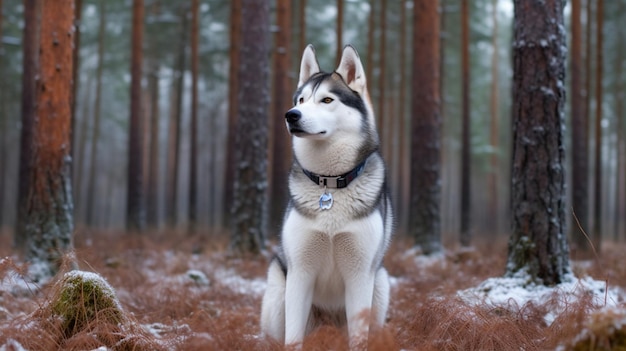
293, 116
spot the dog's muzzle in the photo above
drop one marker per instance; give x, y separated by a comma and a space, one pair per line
293, 116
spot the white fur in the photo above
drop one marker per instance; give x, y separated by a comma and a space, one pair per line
333, 258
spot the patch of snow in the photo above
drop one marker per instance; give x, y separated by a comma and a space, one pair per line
16, 283
238, 284
519, 289
12, 345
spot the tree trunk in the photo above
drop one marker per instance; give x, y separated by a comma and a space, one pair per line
152, 195
302, 22
176, 107
597, 204
382, 78
339, 44
193, 161
495, 129
402, 179
248, 231
135, 206
281, 149
466, 236
233, 112
48, 208
30, 67
371, 23
580, 148
620, 205
425, 221
78, 172
78, 11
538, 244
93, 177
3, 125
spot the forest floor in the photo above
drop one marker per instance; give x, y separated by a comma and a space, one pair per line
179, 293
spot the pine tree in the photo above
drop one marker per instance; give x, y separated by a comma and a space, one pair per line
538, 242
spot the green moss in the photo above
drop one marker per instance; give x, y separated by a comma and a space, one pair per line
83, 297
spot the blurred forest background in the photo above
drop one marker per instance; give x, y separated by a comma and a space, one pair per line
188, 184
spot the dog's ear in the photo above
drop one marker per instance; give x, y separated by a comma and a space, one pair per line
309, 65
351, 69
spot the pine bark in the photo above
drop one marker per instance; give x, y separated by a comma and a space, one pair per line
135, 210
248, 231
425, 199
580, 148
538, 243
48, 207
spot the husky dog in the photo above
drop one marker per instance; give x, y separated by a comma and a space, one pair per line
338, 223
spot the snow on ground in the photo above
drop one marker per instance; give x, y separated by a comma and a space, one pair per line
518, 290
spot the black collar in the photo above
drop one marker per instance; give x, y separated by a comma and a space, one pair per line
338, 182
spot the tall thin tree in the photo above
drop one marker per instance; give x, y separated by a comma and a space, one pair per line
466, 153
3, 124
135, 205
48, 203
538, 244
93, 177
401, 178
339, 43
302, 25
620, 205
248, 230
281, 101
78, 12
152, 195
30, 67
193, 161
597, 203
233, 112
425, 198
175, 123
494, 134
580, 148
382, 76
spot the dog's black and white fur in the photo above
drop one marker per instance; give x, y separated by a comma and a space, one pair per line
338, 224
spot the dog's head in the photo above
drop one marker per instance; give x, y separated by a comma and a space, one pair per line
329, 105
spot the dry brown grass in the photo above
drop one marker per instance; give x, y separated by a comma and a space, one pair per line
164, 309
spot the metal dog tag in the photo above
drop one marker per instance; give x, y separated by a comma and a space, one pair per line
326, 200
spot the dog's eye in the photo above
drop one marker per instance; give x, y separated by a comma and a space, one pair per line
327, 100
301, 100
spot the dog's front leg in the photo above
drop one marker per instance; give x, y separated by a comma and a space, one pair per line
298, 301
359, 294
